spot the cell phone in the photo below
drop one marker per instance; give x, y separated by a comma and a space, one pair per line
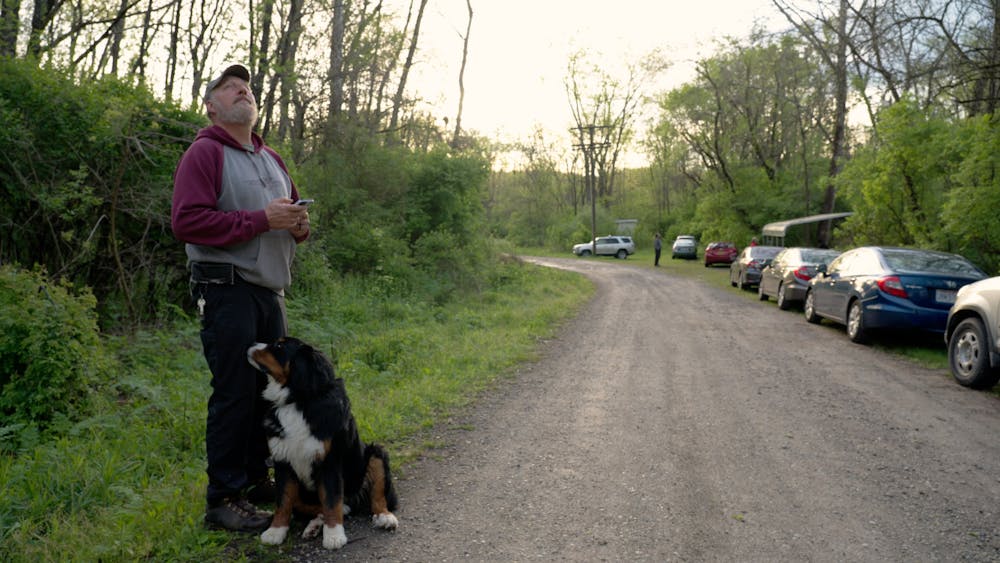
304, 201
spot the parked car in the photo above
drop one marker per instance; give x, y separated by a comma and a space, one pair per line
972, 334
720, 253
685, 246
744, 272
618, 246
872, 288
787, 277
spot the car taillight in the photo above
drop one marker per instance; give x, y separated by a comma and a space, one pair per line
892, 286
802, 272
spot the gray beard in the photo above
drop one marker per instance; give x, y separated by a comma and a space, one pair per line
239, 114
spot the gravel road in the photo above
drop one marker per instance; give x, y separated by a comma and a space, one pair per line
674, 421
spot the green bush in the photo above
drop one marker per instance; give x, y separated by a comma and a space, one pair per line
85, 187
50, 353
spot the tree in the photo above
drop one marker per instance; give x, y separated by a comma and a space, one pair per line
603, 109
397, 100
10, 23
461, 77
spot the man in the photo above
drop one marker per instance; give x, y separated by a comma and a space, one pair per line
233, 206
657, 247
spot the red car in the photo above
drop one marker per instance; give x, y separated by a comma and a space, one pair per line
720, 253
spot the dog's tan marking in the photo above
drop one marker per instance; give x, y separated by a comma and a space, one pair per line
375, 475
266, 360
332, 516
289, 498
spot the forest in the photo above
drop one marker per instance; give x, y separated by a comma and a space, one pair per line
886, 110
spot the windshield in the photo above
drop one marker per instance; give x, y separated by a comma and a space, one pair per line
937, 262
819, 256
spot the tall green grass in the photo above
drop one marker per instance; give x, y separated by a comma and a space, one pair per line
128, 483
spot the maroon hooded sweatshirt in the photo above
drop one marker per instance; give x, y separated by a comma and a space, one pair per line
221, 188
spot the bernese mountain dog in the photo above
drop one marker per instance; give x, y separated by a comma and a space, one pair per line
321, 466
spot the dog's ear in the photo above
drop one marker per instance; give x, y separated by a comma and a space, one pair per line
302, 369
312, 373
323, 367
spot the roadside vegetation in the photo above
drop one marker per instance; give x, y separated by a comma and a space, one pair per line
126, 481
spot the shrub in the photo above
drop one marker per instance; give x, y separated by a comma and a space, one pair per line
50, 353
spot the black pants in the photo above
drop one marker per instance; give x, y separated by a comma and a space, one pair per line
656, 261
236, 316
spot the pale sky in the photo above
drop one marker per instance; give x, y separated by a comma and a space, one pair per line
519, 51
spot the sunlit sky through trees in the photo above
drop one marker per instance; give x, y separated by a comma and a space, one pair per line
519, 49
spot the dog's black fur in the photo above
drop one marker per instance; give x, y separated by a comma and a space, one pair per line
320, 463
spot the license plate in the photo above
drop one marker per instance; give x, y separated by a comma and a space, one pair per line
945, 295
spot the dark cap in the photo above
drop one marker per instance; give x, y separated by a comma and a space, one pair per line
239, 71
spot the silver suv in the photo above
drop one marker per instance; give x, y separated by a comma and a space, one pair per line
972, 334
685, 246
618, 246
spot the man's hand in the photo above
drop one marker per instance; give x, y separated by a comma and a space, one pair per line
283, 214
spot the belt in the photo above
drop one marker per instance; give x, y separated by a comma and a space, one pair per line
217, 273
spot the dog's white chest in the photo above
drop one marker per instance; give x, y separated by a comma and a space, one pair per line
296, 446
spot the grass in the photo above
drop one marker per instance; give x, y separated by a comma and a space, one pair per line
128, 483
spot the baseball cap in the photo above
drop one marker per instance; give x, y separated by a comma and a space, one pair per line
239, 71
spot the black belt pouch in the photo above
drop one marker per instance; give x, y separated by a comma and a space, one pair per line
213, 272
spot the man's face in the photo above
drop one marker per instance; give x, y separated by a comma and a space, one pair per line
232, 102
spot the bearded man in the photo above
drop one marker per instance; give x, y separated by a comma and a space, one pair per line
234, 208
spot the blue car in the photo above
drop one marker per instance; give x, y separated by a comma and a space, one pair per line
873, 288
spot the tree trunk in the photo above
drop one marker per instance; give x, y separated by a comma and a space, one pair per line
10, 23
45, 11
138, 66
397, 100
461, 77
172, 50
260, 48
335, 75
287, 50
839, 151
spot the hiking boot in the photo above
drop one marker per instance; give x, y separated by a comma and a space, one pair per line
262, 492
237, 515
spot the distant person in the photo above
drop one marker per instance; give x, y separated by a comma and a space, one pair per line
233, 206
753, 241
657, 247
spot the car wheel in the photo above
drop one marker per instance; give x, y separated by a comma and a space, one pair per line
760, 291
622, 254
856, 323
969, 356
783, 303
585, 253
809, 308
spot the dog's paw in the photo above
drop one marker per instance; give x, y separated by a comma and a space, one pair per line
313, 528
386, 520
334, 538
274, 536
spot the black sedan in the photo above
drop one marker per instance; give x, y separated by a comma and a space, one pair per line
871, 288
787, 277
744, 272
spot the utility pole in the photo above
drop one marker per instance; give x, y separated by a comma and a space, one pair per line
589, 147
